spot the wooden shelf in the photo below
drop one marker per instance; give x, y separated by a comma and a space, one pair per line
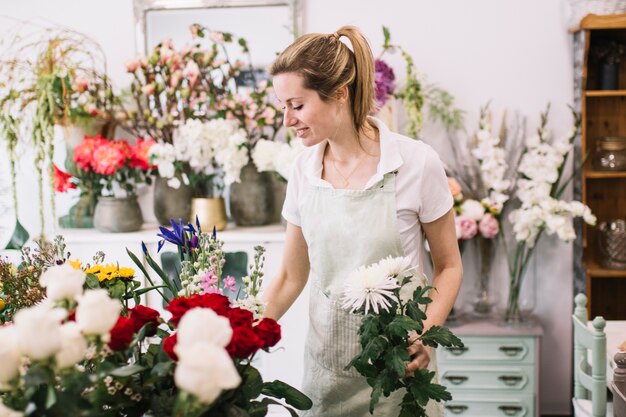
604, 174
605, 93
594, 270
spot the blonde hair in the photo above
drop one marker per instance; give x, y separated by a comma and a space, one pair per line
326, 64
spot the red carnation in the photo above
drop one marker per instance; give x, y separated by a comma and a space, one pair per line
244, 343
141, 315
240, 317
268, 331
168, 346
122, 334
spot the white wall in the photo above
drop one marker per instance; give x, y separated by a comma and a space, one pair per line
516, 53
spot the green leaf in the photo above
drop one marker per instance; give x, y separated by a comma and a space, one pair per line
396, 360
375, 396
292, 396
92, 281
144, 290
118, 289
252, 384
422, 388
51, 398
269, 401
387, 37
400, 326
414, 311
19, 238
370, 328
420, 295
374, 348
438, 335
127, 370
257, 409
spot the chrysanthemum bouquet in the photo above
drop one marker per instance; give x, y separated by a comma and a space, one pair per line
393, 300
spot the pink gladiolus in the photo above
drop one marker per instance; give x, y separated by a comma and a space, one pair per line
467, 225
488, 226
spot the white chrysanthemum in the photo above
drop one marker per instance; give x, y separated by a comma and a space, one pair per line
369, 288
398, 267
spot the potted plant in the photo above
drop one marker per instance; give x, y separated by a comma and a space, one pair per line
609, 54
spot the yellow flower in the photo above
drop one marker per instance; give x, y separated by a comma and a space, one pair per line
126, 272
75, 263
94, 270
2, 304
109, 272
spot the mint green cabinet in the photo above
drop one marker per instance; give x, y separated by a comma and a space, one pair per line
496, 373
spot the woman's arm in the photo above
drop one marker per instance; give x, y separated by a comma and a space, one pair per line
447, 277
292, 277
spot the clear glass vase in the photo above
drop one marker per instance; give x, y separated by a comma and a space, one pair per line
484, 299
522, 295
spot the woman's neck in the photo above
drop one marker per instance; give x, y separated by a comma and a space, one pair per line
346, 145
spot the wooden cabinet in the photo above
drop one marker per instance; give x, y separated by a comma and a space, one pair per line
603, 115
496, 373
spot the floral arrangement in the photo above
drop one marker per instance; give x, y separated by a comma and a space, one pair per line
392, 299
64, 83
539, 189
202, 152
276, 156
99, 164
415, 93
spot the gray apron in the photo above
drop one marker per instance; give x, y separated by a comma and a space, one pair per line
345, 229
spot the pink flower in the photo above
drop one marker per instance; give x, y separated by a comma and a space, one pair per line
108, 158
192, 71
455, 188
488, 226
230, 283
177, 76
83, 153
217, 37
62, 180
133, 64
148, 89
140, 154
166, 54
467, 227
80, 83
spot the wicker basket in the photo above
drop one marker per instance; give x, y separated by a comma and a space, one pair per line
613, 244
581, 8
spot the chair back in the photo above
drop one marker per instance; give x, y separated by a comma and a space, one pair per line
618, 386
589, 378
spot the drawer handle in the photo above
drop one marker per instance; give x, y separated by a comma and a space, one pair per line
456, 379
510, 410
511, 350
456, 409
457, 350
510, 380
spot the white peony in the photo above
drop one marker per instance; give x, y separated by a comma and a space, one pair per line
9, 412
472, 209
97, 313
62, 282
369, 288
263, 155
39, 331
205, 370
10, 356
204, 325
73, 346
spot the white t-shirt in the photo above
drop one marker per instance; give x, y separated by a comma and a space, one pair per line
422, 193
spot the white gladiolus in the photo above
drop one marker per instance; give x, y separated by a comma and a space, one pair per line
204, 325
10, 356
62, 282
472, 209
9, 412
73, 346
97, 313
204, 370
39, 331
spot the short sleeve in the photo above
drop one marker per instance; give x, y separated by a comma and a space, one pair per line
435, 197
291, 208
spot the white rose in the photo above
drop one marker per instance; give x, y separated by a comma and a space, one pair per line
97, 313
73, 346
62, 282
472, 209
9, 355
203, 325
38, 331
9, 412
205, 370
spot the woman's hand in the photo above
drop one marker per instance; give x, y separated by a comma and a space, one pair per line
420, 355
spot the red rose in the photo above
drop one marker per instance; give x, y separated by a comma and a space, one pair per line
244, 343
240, 317
141, 315
168, 346
268, 331
179, 306
121, 334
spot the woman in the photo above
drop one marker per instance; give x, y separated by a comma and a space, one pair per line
359, 193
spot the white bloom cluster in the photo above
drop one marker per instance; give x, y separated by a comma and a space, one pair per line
493, 167
205, 146
252, 303
540, 168
276, 156
202, 338
372, 287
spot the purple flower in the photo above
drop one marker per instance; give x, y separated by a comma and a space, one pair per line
385, 82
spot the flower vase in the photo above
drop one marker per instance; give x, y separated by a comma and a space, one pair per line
118, 214
80, 215
210, 212
522, 293
484, 299
252, 199
171, 203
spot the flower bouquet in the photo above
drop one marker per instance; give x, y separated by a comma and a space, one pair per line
393, 301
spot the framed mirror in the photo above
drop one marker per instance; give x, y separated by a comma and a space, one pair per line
267, 25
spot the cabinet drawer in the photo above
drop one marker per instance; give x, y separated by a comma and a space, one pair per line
484, 405
518, 379
496, 349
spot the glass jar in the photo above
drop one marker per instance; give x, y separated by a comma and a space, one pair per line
610, 154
